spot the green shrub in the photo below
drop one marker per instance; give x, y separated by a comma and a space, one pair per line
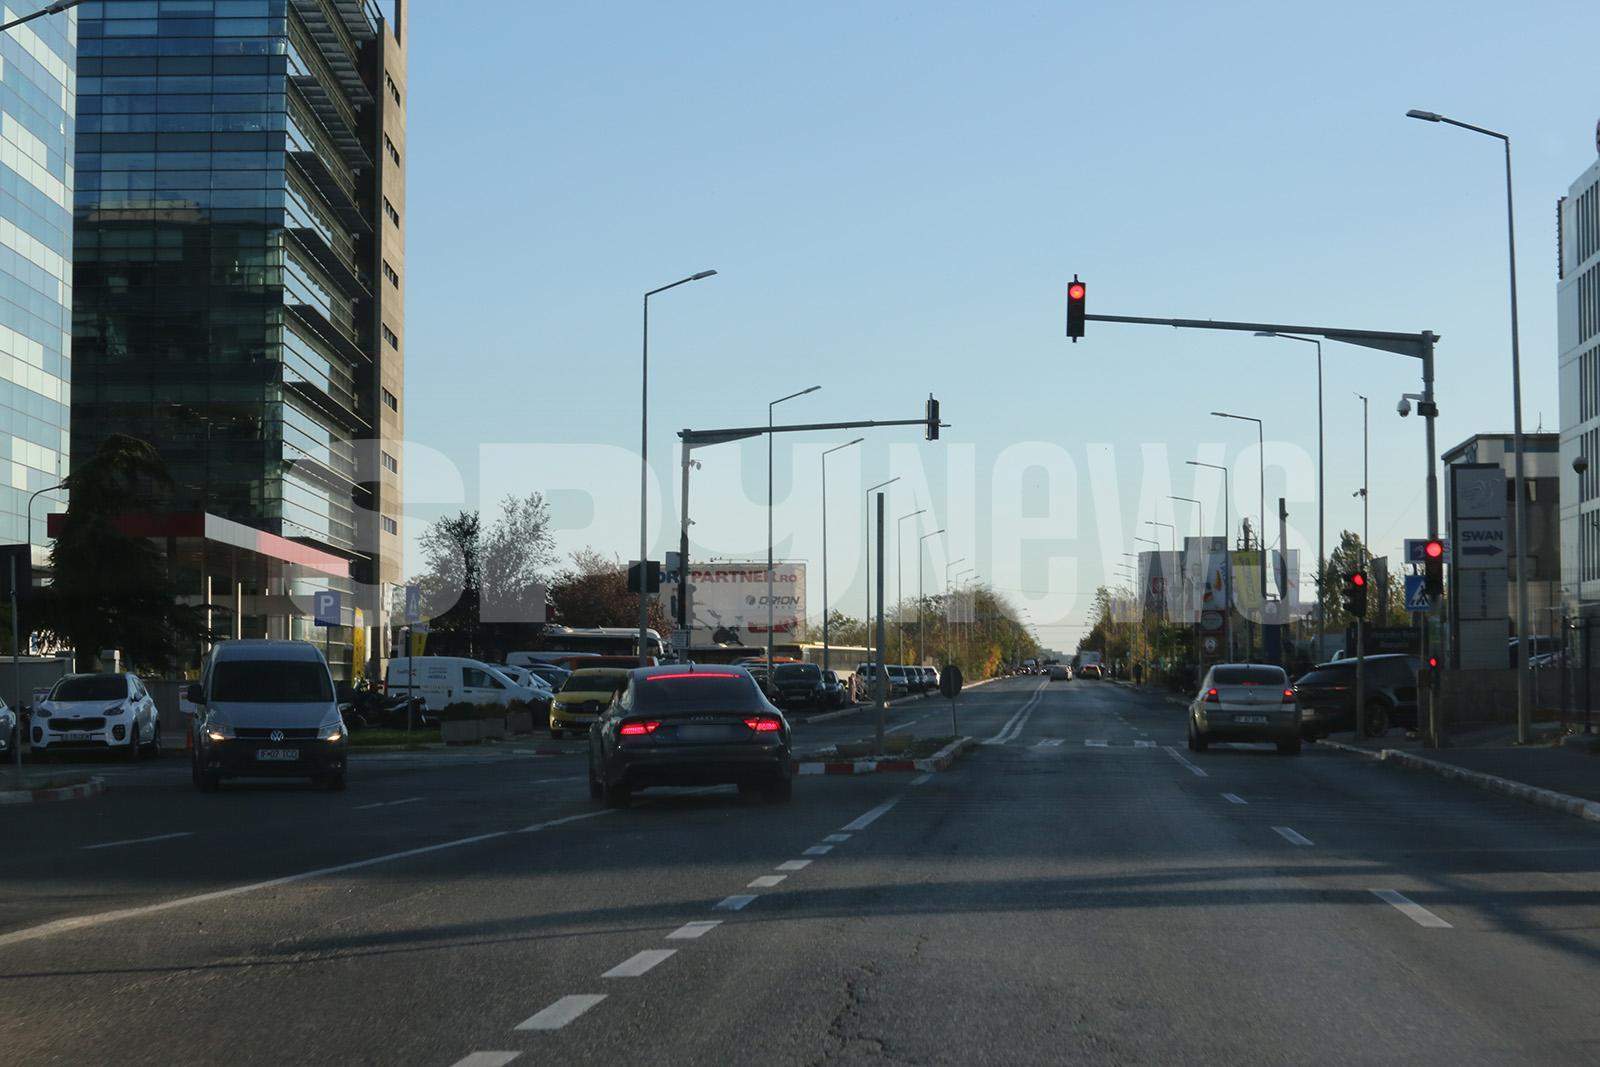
459, 711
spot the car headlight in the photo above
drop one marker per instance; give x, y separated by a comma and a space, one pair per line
218, 731
332, 730
41, 712
115, 709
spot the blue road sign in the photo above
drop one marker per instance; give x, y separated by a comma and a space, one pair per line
325, 606
413, 603
1416, 599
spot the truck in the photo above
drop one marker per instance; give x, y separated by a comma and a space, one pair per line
1087, 665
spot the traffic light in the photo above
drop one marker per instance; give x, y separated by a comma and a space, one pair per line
933, 418
1430, 672
1433, 568
1075, 295
1355, 594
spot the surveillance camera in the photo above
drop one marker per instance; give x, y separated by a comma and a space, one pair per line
1580, 464
1404, 407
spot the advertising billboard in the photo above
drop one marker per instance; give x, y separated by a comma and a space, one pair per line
728, 602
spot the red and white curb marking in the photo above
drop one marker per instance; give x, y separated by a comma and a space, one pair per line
939, 761
83, 790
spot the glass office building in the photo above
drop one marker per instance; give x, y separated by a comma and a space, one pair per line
36, 137
239, 257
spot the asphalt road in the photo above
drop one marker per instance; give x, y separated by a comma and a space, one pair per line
1080, 889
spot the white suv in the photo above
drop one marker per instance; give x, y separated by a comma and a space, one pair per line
97, 711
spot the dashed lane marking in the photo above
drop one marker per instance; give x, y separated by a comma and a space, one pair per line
486, 1059
690, 931
793, 865
385, 804
1175, 754
1233, 798
766, 881
835, 839
640, 963
561, 1012
1050, 742
737, 902
1144, 744
817, 850
1410, 909
137, 840
1291, 835
861, 822
1094, 744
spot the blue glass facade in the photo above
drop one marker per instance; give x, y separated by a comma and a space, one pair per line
37, 90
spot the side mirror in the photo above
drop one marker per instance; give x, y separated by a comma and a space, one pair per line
195, 693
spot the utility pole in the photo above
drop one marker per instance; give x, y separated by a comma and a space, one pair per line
880, 675
1365, 561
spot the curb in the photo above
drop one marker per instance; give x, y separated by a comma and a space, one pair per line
82, 791
1493, 783
939, 761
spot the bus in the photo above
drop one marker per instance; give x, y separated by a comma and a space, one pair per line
604, 640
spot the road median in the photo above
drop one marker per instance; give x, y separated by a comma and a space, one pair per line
939, 760
53, 791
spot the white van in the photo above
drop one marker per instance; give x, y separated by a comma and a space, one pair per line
445, 680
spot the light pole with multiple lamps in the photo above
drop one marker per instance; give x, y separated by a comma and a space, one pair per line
866, 545
922, 594
771, 612
899, 579
1524, 697
828, 452
644, 465
1261, 534
1227, 553
1322, 528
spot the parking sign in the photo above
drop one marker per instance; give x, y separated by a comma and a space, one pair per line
325, 606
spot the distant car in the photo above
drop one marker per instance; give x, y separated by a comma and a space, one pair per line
1060, 672
683, 725
1245, 702
930, 677
796, 685
110, 710
1327, 695
583, 697
552, 674
899, 680
1091, 670
835, 693
867, 673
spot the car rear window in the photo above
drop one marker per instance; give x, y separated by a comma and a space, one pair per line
1248, 676
799, 672
270, 681
595, 681
91, 687
698, 691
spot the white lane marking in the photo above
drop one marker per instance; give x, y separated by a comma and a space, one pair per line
1014, 725
1234, 798
385, 803
690, 931
640, 963
486, 1059
793, 865
817, 850
861, 822
137, 840
903, 725
766, 881
1291, 835
1175, 754
83, 922
561, 1012
921, 778
1144, 744
736, 902
1050, 742
1094, 744
836, 839
1410, 909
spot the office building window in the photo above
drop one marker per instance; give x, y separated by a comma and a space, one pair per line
390, 526
391, 274
391, 464
388, 335
391, 401
388, 209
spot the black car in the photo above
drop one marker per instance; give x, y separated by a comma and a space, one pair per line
797, 685
835, 694
1327, 695
683, 725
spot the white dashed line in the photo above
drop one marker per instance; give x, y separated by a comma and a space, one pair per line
1094, 744
1291, 835
903, 725
1175, 754
1233, 798
921, 779
1050, 742
736, 902
690, 931
1410, 909
793, 865
863, 821
640, 963
817, 850
1144, 744
561, 1012
836, 839
385, 804
766, 881
486, 1059
137, 840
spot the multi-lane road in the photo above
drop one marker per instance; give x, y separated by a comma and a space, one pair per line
1080, 888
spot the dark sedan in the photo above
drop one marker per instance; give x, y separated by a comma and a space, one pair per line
683, 725
797, 685
1327, 695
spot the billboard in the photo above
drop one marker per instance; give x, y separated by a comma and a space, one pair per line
728, 602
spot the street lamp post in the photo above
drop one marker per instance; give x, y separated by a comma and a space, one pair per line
866, 548
899, 580
922, 594
825, 455
1524, 698
644, 463
1227, 554
1322, 528
771, 614
1261, 542
947, 623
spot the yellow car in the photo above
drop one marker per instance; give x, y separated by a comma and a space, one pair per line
583, 696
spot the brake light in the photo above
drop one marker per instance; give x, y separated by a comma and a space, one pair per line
763, 726
688, 674
1213, 697
1288, 696
638, 729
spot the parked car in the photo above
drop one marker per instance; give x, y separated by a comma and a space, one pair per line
266, 709
867, 672
900, 680
583, 697
835, 693
1327, 695
797, 685
10, 730
552, 674
683, 725
930, 678
1244, 702
110, 710
446, 680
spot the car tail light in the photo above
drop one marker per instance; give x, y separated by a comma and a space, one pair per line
763, 725
688, 674
1288, 696
638, 728
1213, 697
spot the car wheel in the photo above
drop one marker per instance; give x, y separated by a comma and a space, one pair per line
334, 783
1290, 747
557, 734
1377, 717
596, 790
208, 781
1191, 736
135, 749
155, 741
780, 791
615, 794
1201, 741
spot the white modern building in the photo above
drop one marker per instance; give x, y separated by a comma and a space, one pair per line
1578, 345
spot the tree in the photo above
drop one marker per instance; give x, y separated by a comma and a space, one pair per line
111, 589
593, 591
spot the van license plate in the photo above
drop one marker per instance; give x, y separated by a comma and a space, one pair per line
1261, 719
277, 755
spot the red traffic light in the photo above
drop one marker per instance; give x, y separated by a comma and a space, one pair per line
1358, 579
1433, 662
1433, 549
1075, 291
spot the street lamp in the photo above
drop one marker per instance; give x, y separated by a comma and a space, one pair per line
770, 607
899, 578
644, 463
866, 546
1261, 463
1322, 529
1524, 698
1227, 556
947, 622
54, 9
1173, 531
1153, 543
825, 455
922, 592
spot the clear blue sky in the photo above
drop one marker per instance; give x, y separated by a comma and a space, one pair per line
895, 195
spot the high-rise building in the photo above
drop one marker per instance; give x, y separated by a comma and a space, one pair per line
1578, 348
240, 260
36, 117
